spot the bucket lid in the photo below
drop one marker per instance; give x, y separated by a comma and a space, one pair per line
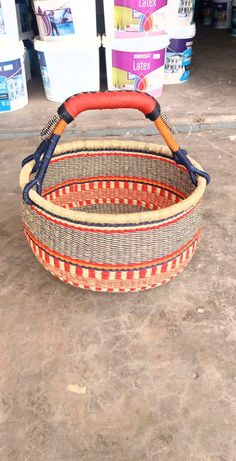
43, 45
11, 47
182, 31
149, 43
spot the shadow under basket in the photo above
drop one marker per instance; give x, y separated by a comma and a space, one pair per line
114, 216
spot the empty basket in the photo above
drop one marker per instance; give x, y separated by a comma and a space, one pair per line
112, 215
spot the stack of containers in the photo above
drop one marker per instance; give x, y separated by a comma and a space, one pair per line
135, 44
181, 30
13, 89
217, 13
67, 46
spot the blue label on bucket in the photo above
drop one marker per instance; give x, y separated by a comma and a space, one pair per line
55, 22
11, 83
186, 8
178, 60
4, 97
44, 70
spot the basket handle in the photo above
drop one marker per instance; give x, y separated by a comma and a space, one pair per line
82, 102
143, 102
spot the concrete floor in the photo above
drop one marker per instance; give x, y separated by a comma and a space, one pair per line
136, 377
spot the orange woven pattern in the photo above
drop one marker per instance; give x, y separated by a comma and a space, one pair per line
99, 191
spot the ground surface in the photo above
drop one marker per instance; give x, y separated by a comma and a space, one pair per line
137, 377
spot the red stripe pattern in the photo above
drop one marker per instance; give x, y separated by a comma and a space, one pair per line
113, 261
115, 280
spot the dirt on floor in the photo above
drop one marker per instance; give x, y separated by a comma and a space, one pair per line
137, 377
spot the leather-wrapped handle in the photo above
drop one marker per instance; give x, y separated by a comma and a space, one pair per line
82, 102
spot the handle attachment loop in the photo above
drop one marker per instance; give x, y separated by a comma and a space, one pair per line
180, 157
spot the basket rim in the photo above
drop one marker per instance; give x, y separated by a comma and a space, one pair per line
129, 218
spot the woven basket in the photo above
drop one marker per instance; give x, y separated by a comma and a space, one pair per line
107, 215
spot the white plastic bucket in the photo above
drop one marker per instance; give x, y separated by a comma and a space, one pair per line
222, 14
134, 18
65, 19
207, 12
24, 20
179, 54
70, 68
13, 90
8, 20
180, 12
136, 64
233, 29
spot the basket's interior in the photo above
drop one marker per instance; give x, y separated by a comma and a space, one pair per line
113, 181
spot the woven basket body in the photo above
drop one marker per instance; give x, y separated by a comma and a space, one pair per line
114, 216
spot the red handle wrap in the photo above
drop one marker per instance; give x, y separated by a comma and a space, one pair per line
110, 100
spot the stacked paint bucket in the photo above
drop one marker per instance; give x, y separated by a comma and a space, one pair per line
138, 32
218, 13
181, 30
67, 46
13, 89
135, 44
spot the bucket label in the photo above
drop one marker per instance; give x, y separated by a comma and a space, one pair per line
2, 24
234, 20
55, 22
138, 71
44, 71
186, 8
178, 60
207, 8
220, 14
142, 16
11, 83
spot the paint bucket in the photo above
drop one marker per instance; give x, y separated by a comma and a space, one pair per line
70, 68
233, 29
180, 13
13, 90
8, 20
207, 12
24, 20
179, 54
63, 19
134, 18
136, 64
222, 14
